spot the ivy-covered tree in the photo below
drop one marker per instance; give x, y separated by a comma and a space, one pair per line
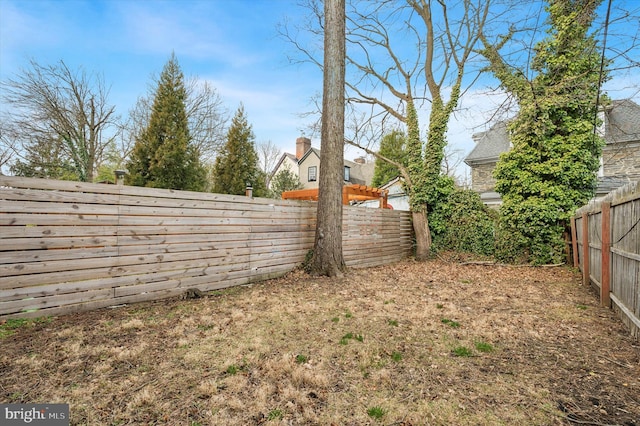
237, 163
163, 155
392, 146
552, 167
284, 180
392, 82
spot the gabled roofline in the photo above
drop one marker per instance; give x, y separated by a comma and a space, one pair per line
306, 154
282, 158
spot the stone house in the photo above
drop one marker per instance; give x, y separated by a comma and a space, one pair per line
619, 165
306, 165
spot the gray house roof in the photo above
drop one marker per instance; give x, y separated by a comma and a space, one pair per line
361, 174
606, 184
622, 121
622, 124
489, 144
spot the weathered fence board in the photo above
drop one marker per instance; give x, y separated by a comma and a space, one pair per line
71, 246
611, 241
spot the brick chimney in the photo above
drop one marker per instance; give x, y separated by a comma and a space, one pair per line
302, 146
359, 160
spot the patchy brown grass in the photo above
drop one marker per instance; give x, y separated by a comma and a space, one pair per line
316, 351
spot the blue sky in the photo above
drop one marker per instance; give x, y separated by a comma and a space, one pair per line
233, 44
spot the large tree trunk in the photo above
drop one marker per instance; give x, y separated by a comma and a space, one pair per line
422, 234
327, 253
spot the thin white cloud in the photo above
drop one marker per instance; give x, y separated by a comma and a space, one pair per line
199, 30
19, 30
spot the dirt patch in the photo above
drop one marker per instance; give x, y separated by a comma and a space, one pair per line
435, 343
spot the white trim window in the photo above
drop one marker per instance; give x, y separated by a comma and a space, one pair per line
347, 173
313, 173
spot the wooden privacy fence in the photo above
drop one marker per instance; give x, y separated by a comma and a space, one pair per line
606, 247
70, 246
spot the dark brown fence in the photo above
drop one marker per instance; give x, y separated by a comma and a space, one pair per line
606, 236
70, 246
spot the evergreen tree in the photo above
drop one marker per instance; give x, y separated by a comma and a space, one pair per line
237, 164
164, 156
284, 180
392, 147
552, 167
44, 159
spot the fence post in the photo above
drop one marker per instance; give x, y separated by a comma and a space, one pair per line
585, 249
605, 279
574, 242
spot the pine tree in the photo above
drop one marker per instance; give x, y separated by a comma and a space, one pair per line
237, 164
163, 156
551, 169
392, 147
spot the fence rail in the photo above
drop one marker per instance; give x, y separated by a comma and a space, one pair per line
70, 246
606, 247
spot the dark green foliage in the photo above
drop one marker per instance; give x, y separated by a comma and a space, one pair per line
163, 156
438, 209
237, 164
376, 412
552, 167
284, 180
463, 223
510, 246
392, 147
415, 163
435, 181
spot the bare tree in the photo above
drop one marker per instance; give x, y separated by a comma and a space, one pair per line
207, 118
56, 105
451, 160
401, 56
6, 151
268, 156
327, 250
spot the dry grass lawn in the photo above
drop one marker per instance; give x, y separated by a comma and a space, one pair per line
435, 343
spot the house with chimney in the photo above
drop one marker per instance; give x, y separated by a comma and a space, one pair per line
306, 165
619, 164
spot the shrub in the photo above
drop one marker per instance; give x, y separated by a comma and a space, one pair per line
463, 223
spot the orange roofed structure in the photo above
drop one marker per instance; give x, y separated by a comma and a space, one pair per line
349, 193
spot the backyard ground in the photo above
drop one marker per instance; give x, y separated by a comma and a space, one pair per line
435, 343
